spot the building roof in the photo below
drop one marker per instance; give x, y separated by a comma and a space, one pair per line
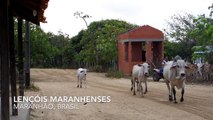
145, 32
31, 10
203, 49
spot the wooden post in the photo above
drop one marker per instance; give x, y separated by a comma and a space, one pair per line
12, 63
4, 52
27, 55
20, 59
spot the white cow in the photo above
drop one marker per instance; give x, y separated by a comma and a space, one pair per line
81, 76
174, 75
140, 73
200, 69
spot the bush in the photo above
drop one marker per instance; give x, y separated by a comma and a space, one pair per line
96, 68
114, 74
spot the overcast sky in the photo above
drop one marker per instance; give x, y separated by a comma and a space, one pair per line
60, 13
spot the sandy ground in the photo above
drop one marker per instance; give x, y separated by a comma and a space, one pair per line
198, 104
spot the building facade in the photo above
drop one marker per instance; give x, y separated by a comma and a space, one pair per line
143, 44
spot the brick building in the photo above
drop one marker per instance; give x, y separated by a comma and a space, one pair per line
143, 44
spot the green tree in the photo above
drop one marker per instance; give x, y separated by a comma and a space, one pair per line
98, 44
178, 35
40, 47
60, 45
187, 31
203, 33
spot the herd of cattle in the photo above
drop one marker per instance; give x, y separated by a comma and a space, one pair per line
175, 73
200, 72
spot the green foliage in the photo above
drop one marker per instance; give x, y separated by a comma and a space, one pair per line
179, 41
97, 46
96, 68
179, 26
169, 49
202, 50
203, 33
187, 31
114, 74
40, 47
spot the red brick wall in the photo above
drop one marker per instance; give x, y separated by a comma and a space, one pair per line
134, 52
145, 32
123, 64
134, 48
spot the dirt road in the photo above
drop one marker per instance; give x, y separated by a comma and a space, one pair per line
198, 104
